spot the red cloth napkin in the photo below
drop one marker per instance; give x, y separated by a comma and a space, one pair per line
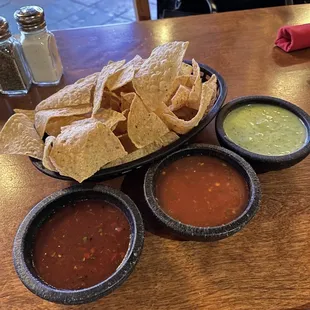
292, 38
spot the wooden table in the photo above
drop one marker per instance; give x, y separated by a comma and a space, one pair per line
264, 267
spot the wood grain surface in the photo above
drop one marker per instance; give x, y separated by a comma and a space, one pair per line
264, 267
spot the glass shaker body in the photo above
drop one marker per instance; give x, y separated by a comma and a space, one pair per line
15, 78
42, 55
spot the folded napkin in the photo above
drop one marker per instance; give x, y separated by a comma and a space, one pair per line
292, 38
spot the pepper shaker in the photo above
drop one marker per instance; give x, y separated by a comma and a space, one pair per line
15, 78
39, 46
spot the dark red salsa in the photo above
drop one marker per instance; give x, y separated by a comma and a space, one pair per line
81, 245
202, 191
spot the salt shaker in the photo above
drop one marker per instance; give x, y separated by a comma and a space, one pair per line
15, 78
39, 46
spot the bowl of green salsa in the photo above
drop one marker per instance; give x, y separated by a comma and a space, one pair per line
270, 133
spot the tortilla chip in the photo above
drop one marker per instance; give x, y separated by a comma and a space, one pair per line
101, 82
120, 78
121, 127
109, 117
144, 127
182, 126
136, 63
184, 80
125, 75
151, 148
18, 136
83, 148
212, 83
92, 78
79, 93
53, 127
46, 154
186, 69
126, 100
43, 117
156, 75
194, 96
180, 98
28, 113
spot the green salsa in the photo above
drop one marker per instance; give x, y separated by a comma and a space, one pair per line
265, 129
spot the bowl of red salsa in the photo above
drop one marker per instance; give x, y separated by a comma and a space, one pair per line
78, 244
202, 192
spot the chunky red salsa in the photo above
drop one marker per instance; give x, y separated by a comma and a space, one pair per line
81, 245
202, 191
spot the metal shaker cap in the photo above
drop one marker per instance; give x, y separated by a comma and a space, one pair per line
30, 18
4, 29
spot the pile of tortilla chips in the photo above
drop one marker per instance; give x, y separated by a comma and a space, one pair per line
125, 112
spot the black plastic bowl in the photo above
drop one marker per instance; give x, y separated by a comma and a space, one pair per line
24, 240
189, 232
263, 163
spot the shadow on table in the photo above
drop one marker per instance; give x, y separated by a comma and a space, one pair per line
283, 59
302, 307
133, 187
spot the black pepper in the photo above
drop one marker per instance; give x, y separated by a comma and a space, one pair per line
15, 76
10, 78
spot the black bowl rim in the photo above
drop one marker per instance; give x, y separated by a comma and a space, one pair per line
241, 101
204, 233
73, 297
107, 173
